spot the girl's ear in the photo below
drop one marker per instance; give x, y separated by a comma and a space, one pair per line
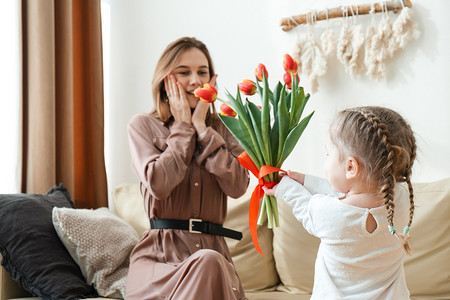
352, 168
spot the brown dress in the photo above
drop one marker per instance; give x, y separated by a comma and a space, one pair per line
184, 176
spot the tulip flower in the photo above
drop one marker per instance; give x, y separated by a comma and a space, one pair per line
289, 64
268, 134
288, 79
207, 93
259, 71
225, 110
247, 87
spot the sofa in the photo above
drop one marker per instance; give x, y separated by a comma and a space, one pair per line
287, 268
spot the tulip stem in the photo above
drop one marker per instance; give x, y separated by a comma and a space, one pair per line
262, 212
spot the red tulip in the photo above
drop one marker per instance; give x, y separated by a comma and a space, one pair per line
248, 87
288, 79
225, 110
259, 71
289, 64
207, 93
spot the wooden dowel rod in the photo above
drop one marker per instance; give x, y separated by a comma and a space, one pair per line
363, 9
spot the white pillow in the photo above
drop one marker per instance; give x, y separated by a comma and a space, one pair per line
100, 243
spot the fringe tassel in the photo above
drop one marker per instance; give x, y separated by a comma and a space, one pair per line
404, 29
328, 42
313, 60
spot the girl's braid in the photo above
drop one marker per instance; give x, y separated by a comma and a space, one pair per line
387, 172
412, 142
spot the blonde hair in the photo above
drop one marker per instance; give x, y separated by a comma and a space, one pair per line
384, 144
166, 64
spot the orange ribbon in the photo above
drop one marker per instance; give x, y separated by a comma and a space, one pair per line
245, 160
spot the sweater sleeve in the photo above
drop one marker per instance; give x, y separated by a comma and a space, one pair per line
298, 197
317, 185
218, 154
160, 168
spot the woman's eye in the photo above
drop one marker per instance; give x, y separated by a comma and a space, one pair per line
184, 73
203, 73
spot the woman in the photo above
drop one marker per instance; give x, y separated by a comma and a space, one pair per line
186, 161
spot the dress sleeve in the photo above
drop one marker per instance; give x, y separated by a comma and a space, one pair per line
298, 197
219, 157
160, 167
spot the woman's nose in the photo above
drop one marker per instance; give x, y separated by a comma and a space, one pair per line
195, 79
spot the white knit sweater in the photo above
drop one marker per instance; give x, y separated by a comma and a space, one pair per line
351, 262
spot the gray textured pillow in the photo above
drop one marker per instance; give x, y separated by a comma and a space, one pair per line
100, 243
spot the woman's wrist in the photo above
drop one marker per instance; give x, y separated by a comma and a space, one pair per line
199, 127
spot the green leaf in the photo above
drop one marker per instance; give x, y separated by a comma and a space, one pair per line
265, 121
236, 103
288, 101
239, 133
275, 138
299, 106
266, 89
276, 97
283, 123
293, 137
260, 91
242, 136
255, 116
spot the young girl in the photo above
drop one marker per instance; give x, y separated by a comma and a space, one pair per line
370, 154
186, 161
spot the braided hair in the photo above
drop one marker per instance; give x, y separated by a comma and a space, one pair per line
384, 143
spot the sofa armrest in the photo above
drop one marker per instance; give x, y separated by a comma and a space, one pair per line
9, 288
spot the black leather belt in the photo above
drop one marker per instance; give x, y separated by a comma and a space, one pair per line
195, 226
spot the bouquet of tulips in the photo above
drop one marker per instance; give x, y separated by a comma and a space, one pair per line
268, 133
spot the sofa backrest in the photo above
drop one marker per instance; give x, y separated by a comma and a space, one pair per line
290, 251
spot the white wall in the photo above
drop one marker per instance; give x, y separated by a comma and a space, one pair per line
242, 33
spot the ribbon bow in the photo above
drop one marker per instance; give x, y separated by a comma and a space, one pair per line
245, 160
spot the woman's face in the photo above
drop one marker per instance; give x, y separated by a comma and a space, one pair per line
192, 71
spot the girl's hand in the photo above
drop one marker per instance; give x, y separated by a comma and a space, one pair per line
270, 192
199, 114
179, 106
299, 177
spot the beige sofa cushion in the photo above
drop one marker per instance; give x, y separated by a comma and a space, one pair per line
256, 272
427, 270
129, 205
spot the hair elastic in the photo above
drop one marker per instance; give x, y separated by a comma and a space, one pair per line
392, 229
406, 230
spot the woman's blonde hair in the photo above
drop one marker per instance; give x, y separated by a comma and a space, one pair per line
166, 64
384, 145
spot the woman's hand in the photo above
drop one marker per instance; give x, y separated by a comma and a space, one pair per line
179, 106
199, 114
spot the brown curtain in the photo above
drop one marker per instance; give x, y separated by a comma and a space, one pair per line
62, 94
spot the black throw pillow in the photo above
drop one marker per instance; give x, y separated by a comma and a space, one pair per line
31, 251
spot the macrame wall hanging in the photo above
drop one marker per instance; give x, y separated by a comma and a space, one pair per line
359, 51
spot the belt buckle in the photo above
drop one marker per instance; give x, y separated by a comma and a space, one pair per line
191, 225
